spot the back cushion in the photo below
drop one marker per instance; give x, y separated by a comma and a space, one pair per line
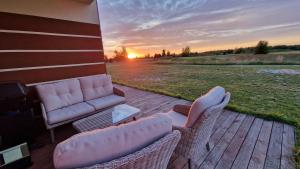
97, 86
60, 94
213, 97
103, 145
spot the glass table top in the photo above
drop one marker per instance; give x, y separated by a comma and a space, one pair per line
122, 112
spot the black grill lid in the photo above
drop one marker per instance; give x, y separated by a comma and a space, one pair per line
12, 90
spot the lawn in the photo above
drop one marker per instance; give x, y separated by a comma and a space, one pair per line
254, 91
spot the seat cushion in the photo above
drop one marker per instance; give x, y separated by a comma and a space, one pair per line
212, 98
106, 101
60, 94
103, 145
70, 112
97, 86
177, 118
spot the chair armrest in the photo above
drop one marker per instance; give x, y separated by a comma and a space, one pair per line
182, 109
183, 130
118, 92
186, 134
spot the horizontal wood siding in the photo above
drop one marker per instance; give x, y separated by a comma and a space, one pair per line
44, 75
31, 59
37, 49
11, 21
21, 41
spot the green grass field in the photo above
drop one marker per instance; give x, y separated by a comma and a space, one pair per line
276, 58
266, 95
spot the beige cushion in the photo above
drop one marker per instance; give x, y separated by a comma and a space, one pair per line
213, 97
97, 86
60, 94
103, 145
177, 118
106, 101
68, 113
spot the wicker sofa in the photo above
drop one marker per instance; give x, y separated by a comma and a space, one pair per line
144, 144
196, 122
69, 100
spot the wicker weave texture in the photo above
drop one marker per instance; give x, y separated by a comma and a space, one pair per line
193, 141
154, 156
97, 121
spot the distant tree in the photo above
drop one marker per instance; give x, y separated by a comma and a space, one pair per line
230, 51
147, 55
163, 53
239, 50
168, 53
186, 52
262, 47
121, 55
157, 56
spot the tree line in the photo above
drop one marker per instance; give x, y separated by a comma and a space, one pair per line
262, 47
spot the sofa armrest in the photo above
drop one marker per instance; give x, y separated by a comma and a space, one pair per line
182, 109
118, 92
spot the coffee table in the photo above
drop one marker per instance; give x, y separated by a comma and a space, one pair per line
110, 117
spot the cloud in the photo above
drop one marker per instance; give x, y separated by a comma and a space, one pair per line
226, 10
150, 25
195, 41
234, 32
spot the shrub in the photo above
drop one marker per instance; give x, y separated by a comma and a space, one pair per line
262, 47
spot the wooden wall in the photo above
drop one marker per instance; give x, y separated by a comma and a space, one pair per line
37, 49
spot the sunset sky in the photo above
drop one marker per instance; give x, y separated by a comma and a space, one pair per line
148, 26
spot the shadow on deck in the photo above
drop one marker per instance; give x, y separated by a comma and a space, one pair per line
239, 141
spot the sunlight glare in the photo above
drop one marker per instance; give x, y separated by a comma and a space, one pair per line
131, 56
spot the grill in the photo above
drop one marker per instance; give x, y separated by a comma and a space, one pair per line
17, 124
13, 97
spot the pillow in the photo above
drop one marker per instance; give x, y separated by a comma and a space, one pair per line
97, 86
60, 94
103, 145
213, 97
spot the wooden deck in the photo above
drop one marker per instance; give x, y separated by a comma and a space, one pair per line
239, 141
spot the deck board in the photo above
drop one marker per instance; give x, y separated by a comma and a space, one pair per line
274, 150
243, 158
238, 140
288, 143
214, 156
232, 150
259, 154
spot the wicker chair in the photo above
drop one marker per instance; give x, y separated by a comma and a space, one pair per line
194, 142
154, 156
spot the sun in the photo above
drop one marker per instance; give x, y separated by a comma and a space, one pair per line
131, 56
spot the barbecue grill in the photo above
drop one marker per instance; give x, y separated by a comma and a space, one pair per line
12, 97
16, 120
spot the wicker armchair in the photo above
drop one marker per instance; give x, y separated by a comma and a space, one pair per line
194, 141
154, 156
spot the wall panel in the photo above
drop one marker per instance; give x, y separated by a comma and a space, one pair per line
11, 21
38, 49
31, 59
44, 75
23, 41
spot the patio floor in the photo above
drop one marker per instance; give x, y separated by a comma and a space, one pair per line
239, 141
